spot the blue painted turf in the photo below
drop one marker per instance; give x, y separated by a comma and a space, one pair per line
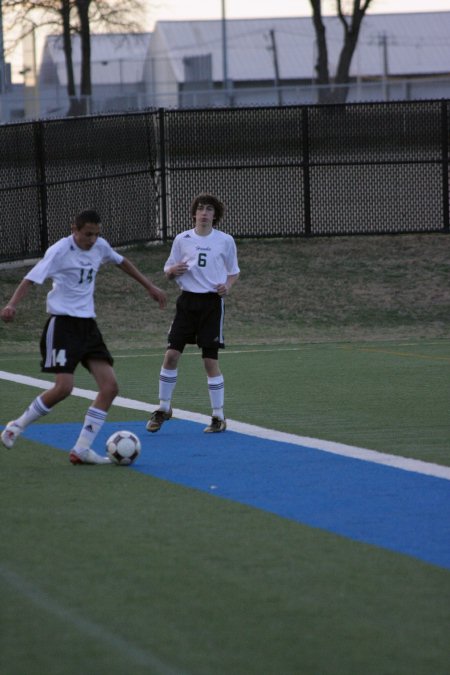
397, 510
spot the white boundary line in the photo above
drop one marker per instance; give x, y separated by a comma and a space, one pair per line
395, 461
88, 628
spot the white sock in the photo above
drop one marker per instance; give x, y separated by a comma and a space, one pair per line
216, 390
93, 422
167, 384
35, 410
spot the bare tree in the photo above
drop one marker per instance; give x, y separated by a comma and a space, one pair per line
85, 37
67, 42
76, 16
351, 24
109, 14
56, 14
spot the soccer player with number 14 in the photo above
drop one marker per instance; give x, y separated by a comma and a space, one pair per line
71, 335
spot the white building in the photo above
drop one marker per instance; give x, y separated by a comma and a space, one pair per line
264, 62
117, 72
398, 56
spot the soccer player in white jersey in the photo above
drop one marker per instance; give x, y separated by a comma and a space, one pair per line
71, 335
203, 262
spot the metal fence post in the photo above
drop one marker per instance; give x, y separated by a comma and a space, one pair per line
41, 184
445, 163
306, 177
162, 159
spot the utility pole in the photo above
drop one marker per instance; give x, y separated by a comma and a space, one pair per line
273, 49
2, 55
225, 54
383, 42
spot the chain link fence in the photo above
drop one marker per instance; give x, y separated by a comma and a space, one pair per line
372, 168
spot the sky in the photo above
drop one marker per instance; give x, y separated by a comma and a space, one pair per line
175, 10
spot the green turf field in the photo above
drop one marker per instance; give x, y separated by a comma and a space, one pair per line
114, 572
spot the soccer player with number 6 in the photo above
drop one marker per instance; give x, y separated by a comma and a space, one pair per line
203, 262
71, 335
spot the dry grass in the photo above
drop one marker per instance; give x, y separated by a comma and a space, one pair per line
345, 288
291, 290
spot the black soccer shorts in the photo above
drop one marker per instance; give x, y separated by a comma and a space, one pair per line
198, 320
67, 341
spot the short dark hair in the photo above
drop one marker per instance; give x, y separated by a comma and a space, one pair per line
87, 216
207, 198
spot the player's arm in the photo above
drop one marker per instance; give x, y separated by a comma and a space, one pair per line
9, 311
154, 292
223, 289
175, 266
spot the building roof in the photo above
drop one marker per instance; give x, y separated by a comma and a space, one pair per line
415, 44
407, 45
115, 57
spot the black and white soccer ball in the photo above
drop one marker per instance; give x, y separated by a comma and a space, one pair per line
123, 447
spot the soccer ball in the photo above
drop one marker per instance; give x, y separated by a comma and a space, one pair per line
123, 447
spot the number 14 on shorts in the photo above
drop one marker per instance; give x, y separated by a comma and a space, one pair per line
59, 357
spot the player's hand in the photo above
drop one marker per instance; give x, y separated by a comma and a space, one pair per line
222, 289
8, 313
158, 295
178, 269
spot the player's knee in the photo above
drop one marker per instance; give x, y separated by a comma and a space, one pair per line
63, 390
210, 353
171, 358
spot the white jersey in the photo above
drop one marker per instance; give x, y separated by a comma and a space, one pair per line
211, 259
73, 272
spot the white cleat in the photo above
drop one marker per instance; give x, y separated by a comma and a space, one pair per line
87, 457
10, 434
